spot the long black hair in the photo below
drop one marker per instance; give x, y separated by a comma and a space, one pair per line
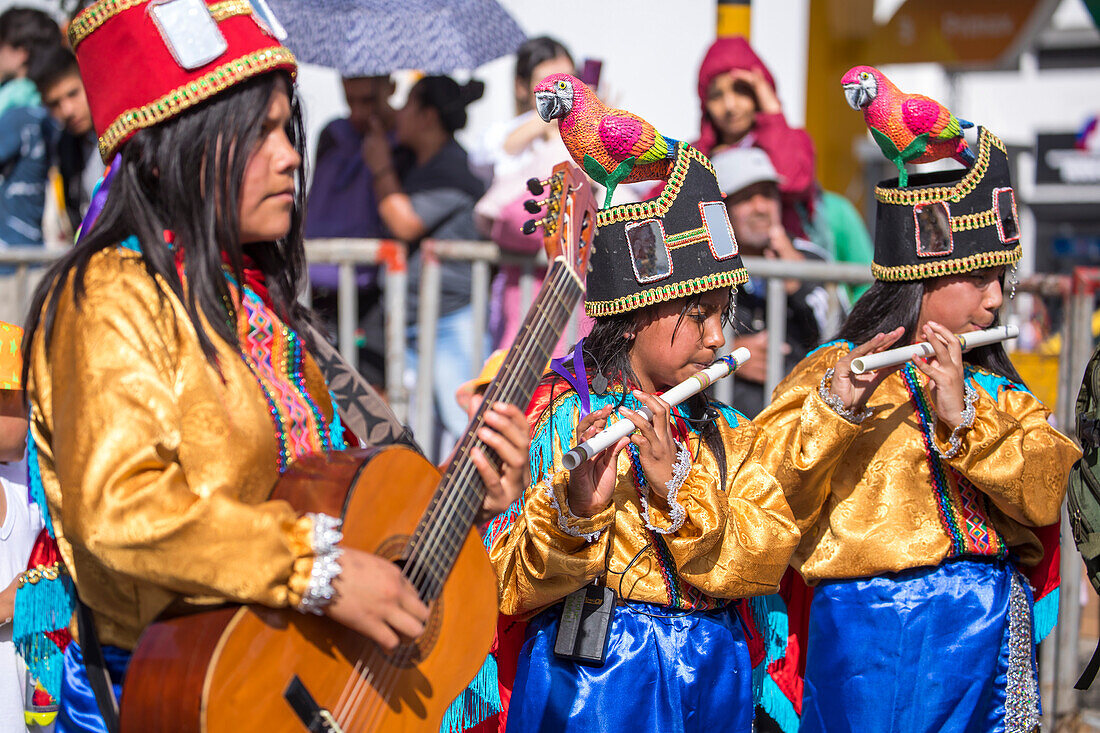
887, 305
607, 352
184, 175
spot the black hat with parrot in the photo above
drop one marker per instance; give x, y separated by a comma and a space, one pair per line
933, 224
675, 245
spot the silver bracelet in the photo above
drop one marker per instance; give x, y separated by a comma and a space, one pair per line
566, 515
326, 563
835, 402
954, 443
676, 513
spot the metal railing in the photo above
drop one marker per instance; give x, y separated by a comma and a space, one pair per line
1059, 659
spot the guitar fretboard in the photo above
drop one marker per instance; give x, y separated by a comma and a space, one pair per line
456, 503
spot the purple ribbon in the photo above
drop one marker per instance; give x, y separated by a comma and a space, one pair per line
578, 380
99, 198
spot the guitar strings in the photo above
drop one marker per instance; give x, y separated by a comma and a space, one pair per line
427, 545
431, 541
440, 534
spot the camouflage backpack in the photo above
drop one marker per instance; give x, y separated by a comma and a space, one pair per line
1083, 493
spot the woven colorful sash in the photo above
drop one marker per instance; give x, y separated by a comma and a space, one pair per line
963, 510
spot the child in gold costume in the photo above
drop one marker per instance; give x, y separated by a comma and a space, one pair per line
680, 520
926, 536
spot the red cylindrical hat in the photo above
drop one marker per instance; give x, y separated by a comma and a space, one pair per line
145, 61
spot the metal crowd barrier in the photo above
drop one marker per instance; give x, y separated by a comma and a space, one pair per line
1059, 657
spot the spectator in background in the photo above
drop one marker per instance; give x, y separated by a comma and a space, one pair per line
839, 228
76, 151
342, 204
752, 186
24, 125
511, 152
741, 109
434, 198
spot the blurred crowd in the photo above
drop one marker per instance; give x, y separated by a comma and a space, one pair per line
398, 172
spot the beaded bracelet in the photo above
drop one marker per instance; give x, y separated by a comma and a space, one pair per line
835, 402
326, 563
954, 442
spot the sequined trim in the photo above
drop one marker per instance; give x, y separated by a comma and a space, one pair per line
1021, 689
565, 516
913, 196
683, 289
96, 15
192, 93
939, 268
230, 9
658, 207
326, 563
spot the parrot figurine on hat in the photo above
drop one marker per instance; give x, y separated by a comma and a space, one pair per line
909, 128
613, 146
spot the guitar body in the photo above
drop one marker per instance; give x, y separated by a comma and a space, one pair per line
227, 670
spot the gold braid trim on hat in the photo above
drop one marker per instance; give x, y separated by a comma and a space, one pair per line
229, 9
939, 268
683, 239
955, 193
651, 296
190, 94
656, 208
977, 220
96, 15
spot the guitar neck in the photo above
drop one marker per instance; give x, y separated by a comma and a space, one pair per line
456, 503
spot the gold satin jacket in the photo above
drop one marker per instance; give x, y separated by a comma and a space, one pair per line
734, 541
867, 507
156, 469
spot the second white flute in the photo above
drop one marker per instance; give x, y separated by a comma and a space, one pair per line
902, 354
692, 385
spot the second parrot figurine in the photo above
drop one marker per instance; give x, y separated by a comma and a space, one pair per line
909, 128
613, 146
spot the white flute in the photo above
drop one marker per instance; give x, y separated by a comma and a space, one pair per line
902, 354
692, 385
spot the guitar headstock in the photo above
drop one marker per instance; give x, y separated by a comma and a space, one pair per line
569, 216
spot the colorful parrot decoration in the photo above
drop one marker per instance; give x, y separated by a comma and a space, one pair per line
613, 146
909, 128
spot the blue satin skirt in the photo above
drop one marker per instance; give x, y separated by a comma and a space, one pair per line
942, 649
79, 712
664, 671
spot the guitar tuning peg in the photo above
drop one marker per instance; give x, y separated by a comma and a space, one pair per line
533, 206
531, 225
536, 186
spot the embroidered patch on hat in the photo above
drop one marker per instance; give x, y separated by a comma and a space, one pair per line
1004, 213
723, 243
189, 31
933, 229
648, 251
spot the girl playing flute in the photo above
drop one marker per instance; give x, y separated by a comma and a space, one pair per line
925, 532
679, 519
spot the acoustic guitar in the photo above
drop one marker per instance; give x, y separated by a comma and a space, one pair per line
242, 669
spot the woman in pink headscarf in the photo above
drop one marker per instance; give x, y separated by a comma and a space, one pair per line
741, 109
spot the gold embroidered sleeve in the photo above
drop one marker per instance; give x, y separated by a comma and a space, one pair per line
805, 438
125, 463
736, 539
548, 552
1012, 454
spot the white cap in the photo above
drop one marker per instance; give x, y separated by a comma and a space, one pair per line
739, 168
